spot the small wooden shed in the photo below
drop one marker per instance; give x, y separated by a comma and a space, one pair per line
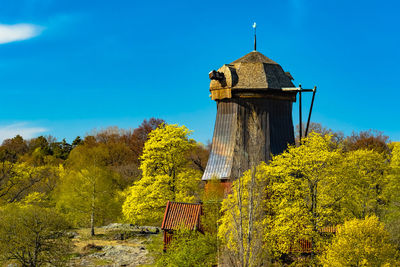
305, 246
180, 216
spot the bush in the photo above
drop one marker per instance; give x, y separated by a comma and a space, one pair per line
190, 249
361, 243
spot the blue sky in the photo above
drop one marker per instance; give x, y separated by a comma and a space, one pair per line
68, 67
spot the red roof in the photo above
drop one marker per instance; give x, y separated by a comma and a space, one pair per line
181, 215
305, 246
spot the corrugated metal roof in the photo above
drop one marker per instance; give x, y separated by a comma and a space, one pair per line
181, 216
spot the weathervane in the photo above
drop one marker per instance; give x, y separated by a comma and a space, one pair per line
255, 37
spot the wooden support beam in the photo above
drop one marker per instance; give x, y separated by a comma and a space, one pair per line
309, 114
300, 119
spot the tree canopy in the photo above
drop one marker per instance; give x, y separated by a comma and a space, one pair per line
361, 242
327, 182
88, 190
306, 189
166, 175
33, 236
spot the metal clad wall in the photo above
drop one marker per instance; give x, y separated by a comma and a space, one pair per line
221, 157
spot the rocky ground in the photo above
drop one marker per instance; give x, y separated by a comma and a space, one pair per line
114, 245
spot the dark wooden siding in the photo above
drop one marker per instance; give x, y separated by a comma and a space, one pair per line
247, 131
167, 238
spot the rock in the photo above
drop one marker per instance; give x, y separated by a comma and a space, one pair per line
122, 255
72, 234
117, 226
91, 247
130, 227
119, 236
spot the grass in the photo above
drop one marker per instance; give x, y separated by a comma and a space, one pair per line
102, 238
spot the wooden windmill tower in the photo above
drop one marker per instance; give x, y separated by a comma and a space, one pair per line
254, 98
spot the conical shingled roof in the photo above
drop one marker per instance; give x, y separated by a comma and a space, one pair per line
254, 71
254, 57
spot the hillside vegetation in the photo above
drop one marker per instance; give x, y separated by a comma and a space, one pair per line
87, 203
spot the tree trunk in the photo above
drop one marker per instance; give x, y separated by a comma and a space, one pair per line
36, 252
173, 184
240, 230
250, 222
314, 216
92, 223
92, 212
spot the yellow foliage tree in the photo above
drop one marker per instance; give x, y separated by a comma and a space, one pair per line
243, 212
300, 185
307, 188
363, 173
361, 243
166, 175
392, 213
317, 185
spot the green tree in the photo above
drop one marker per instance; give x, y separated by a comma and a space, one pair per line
77, 141
361, 243
33, 236
17, 180
39, 142
88, 192
61, 149
166, 175
12, 149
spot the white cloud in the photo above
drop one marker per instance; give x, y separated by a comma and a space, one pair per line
23, 129
18, 32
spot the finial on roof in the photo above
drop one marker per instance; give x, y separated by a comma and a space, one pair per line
255, 37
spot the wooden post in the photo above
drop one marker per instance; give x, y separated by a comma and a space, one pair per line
300, 119
309, 114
